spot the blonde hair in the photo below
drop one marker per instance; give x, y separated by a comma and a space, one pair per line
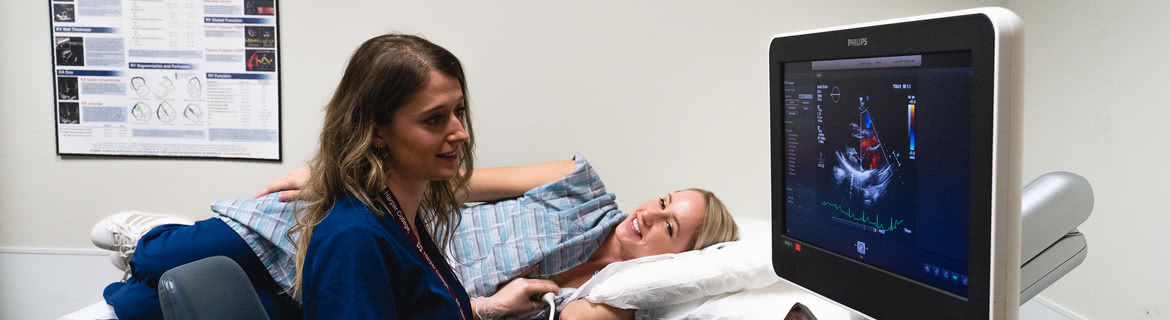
717, 226
383, 73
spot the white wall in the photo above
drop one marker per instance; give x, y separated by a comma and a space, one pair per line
660, 95
1096, 105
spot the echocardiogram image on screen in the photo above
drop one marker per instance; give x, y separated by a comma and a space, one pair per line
877, 156
260, 60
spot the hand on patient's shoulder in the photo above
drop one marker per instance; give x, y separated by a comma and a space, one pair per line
290, 186
584, 309
514, 298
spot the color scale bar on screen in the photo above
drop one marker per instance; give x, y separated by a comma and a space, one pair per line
910, 124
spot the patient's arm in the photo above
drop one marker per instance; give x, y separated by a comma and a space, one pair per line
289, 186
486, 184
496, 183
584, 309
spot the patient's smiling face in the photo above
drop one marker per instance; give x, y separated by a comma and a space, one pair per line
661, 225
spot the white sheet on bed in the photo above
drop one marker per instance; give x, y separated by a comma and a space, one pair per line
97, 311
771, 302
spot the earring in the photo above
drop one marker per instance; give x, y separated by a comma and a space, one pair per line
380, 150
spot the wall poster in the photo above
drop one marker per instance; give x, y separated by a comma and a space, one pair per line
167, 78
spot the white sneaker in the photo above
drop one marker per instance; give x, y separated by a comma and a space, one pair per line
120, 232
120, 262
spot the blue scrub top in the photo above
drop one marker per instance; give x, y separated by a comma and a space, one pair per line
362, 265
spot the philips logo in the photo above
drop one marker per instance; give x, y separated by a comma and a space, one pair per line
858, 42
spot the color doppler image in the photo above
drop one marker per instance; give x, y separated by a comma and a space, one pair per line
261, 60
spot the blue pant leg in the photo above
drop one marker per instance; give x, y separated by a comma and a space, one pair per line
168, 246
133, 299
164, 248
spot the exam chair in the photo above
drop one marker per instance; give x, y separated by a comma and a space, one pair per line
211, 288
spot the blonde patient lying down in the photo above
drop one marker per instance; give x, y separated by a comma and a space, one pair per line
539, 228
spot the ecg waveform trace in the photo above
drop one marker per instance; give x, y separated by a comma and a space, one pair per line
876, 223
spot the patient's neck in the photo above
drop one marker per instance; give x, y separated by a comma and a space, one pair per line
610, 251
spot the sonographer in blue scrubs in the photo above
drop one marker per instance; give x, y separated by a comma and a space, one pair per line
394, 151
363, 265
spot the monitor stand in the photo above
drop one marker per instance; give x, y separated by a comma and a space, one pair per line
1051, 208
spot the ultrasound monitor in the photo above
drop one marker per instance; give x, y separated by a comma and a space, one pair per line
895, 165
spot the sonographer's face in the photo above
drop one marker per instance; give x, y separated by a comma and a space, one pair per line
425, 135
662, 225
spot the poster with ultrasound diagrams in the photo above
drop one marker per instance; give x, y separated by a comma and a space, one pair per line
166, 78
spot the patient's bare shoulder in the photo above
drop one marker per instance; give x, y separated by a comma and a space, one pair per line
584, 309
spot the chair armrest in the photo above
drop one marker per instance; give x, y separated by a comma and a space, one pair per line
211, 288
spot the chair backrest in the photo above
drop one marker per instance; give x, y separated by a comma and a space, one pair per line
211, 288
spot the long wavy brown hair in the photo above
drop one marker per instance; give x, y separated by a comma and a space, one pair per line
381, 76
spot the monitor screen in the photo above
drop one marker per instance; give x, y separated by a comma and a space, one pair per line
877, 162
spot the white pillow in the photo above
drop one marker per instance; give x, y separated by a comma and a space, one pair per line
662, 280
760, 303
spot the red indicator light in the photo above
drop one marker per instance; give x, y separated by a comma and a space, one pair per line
797, 247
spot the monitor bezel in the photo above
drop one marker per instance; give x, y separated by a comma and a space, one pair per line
843, 279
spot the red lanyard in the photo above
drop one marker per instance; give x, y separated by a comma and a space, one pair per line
392, 202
